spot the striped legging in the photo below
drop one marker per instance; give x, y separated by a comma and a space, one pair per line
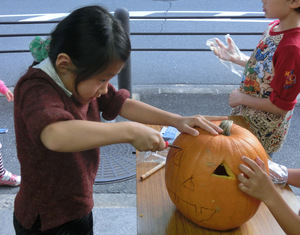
2, 170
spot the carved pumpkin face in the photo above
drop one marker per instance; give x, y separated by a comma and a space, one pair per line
201, 178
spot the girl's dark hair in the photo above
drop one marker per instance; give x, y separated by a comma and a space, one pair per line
92, 38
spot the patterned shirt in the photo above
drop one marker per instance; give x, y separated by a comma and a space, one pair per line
272, 72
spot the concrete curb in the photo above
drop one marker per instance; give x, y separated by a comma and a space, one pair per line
178, 88
100, 200
185, 89
211, 89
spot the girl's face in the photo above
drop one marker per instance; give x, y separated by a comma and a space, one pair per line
277, 9
97, 85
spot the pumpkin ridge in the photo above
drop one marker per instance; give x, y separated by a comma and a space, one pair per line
237, 149
259, 153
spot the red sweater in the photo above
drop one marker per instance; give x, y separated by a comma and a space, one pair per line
57, 186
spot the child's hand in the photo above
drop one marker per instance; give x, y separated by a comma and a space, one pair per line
187, 124
227, 53
9, 96
235, 98
146, 138
254, 180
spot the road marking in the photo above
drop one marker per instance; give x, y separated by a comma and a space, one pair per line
53, 16
210, 20
46, 17
231, 13
216, 13
20, 15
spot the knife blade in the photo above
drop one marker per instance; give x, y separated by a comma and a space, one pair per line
171, 145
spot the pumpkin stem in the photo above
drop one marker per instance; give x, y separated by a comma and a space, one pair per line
226, 126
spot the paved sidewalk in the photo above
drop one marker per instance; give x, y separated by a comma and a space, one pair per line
113, 214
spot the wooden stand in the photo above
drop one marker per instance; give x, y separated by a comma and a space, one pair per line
156, 214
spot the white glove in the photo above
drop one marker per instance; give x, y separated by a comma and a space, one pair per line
229, 55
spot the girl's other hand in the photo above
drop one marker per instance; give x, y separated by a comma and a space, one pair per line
187, 124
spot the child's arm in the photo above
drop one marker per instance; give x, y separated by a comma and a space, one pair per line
259, 185
9, 96
5, 91
237, 98
80, 135
294, 177
141, 112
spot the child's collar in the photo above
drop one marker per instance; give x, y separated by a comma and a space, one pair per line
48, 68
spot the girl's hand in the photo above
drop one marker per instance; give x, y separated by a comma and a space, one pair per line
187, 124
235, 98
146, 138
9, 96
254, 180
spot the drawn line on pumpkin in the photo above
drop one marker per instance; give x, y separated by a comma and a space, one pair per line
208, 210
174, 195
189, 184
204, 213
177, 156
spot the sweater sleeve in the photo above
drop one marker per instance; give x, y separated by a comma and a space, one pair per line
286, 81
39, 105
111, 103
3, 88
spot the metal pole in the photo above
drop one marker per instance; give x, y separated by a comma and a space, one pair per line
124, 77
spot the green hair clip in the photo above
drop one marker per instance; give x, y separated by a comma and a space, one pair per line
39, 48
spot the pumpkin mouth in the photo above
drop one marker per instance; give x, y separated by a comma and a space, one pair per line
223, 171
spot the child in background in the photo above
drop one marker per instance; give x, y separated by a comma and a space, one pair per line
5, 91
57, 122
270, 85
256, 183
6, 177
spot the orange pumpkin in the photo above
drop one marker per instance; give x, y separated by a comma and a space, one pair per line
201, 178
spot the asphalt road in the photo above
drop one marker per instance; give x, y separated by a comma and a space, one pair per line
148, 67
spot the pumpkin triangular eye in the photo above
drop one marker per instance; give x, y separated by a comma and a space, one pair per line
223, 170
220, 170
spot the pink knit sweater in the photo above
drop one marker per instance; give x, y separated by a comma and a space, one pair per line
3, 88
